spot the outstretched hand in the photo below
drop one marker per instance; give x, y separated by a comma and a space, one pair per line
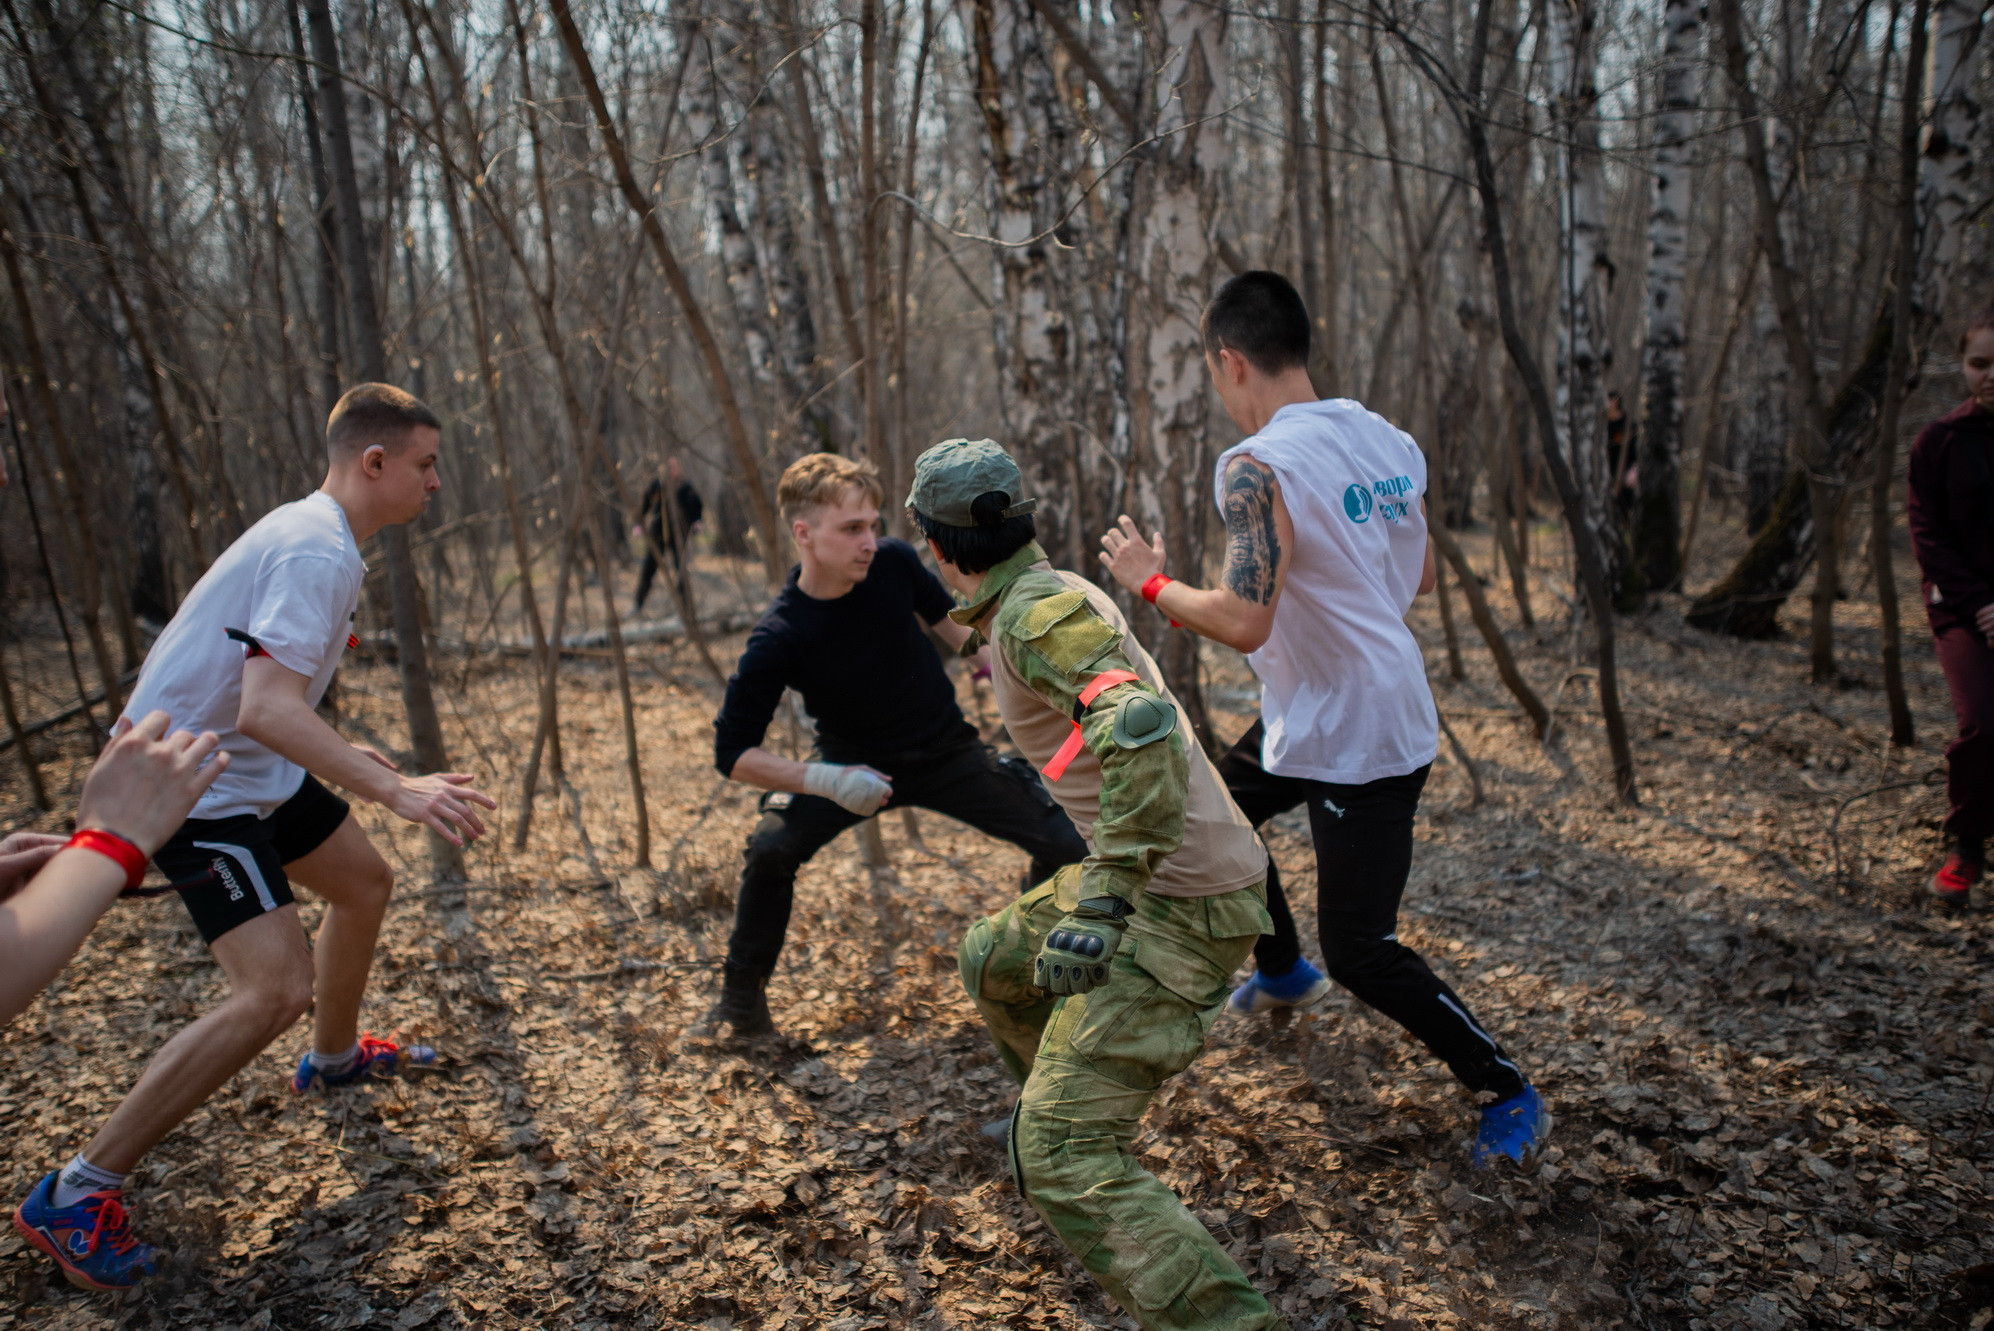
146, 781
1129, 559
443, 802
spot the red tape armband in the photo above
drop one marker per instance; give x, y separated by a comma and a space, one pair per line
129, 857
1070, 750
1153, 588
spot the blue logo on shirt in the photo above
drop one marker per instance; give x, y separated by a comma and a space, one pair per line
1385, 497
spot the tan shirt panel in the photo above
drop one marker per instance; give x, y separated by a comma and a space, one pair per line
1221, 851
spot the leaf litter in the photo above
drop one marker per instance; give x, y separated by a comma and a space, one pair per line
1770, 1061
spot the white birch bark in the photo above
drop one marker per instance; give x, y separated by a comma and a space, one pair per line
1026, 127
1176, 258
1668, 260
1586, 272
1945, 176
765, 187
1176, 268
738, 260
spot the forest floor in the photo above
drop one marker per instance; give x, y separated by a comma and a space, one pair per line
1769, 1056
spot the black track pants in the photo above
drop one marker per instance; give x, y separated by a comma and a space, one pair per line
1363, 849
1000, 797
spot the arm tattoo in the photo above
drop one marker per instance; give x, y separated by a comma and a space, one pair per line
1253, 547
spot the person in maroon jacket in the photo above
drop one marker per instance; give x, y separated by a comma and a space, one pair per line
1951, 514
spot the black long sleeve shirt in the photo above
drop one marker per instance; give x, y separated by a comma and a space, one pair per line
1951, 514
868, 675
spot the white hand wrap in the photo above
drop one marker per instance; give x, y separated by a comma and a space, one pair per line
853, 788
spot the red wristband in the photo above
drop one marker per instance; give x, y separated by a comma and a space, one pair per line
1154, 588
129, 857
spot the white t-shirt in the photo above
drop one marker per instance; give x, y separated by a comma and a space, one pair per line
1343, 684
292, 582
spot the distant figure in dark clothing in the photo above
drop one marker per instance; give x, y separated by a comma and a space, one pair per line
659, 535
1951, 515
1620, 454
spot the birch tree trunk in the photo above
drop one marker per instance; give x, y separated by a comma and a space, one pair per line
1175, 263
764, 181
1585, 272
1026, 129
1658, 531
738, 258
1945, 176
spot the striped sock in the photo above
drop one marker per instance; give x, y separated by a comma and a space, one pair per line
79, 1178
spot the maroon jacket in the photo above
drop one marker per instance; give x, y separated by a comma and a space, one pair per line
1951, 514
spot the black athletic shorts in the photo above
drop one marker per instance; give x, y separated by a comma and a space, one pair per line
228, 871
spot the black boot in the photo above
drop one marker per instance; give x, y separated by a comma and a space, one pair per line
742, 1005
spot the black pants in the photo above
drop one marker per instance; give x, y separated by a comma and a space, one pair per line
1000, 797
649, 571
1363, 850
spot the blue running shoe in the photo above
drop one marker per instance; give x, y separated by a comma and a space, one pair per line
91, 1241
1298, 988
1515, 1127
378, 1058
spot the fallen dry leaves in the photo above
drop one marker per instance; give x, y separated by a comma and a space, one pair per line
1770, 1061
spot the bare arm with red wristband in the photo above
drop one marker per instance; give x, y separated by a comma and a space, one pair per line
142, 788
1259, 535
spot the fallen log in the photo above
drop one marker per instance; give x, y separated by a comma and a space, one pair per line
587, 644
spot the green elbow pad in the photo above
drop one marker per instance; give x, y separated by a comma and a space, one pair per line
1143, 718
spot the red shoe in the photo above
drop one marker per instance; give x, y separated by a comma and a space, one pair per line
1953, 884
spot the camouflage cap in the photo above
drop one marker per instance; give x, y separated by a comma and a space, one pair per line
952, 475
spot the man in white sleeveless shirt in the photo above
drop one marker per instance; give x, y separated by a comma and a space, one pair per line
1326, 548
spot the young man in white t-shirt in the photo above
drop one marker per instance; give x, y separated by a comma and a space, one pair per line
248, 656
1326, 548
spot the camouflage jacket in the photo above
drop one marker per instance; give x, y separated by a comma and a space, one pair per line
1054, 644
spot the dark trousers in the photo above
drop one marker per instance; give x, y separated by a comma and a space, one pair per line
1000, 797
1969, 665
649, 571
1363, 851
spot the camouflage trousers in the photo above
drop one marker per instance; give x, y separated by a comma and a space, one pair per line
1090, 1064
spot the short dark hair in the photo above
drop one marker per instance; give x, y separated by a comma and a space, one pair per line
1984, 319
369, 414
994, 538
1260, 315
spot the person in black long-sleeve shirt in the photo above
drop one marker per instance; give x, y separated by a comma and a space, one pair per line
666, 538
845, 633
1951, 515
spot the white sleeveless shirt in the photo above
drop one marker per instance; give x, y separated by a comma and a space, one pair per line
1343, 683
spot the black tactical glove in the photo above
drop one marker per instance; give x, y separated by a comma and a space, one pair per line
1079, 951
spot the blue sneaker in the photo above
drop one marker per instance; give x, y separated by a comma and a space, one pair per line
1298, 988
91, 1241
1515, 1127
378, 1058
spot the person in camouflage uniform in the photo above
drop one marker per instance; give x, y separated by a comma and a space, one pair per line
1101, 983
